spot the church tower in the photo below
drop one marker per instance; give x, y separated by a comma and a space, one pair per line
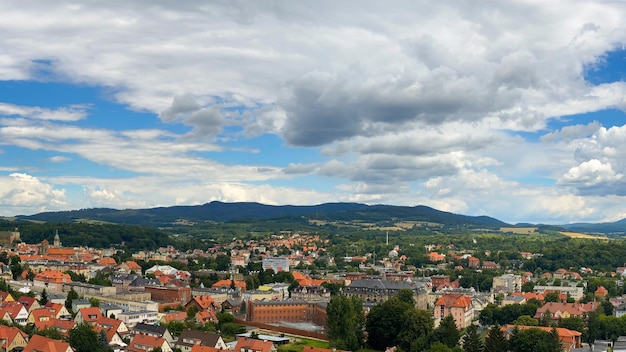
57, 240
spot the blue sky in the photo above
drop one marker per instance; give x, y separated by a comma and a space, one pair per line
513, 110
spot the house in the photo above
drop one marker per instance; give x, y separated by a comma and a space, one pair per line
111, 323
558, 311
189, 338
206, 316
107, 261
601, 292
154, 331
232, 306
88, 315
114, 339
458, 305
246, 344
202, 303
30, 303
40, 343
142, 343
436, 257
12, 337
58, 310
226, 283
173, 316
5, 297
133, 318
51, 279
570, 339
62, 326
129, 267
39, 315
17, 312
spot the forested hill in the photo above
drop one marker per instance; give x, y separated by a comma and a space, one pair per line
231, 212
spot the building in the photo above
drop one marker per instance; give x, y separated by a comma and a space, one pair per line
573, 291
277, 264
133, 318
144, 343
12, 338
40, 343
459, 306
570, 339
180, 295
274, 311
507, 283
189, 338
246, 344
377, 291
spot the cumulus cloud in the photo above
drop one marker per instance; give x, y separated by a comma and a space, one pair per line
23, 193
416, 102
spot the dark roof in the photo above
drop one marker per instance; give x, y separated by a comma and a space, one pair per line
205, 338
149, 329
380, 284
142, 281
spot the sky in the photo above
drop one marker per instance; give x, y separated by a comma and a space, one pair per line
511, 109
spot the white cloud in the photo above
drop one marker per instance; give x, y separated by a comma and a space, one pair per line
24, 194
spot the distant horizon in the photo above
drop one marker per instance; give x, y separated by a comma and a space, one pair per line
309, 205
511, 109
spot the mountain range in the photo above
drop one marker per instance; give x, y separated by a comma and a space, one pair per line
249, 211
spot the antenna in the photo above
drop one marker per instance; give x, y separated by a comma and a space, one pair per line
387, 237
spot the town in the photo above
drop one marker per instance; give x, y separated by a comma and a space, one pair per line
284, 291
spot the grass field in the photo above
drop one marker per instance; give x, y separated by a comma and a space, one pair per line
519, 230
583, 235
299, 346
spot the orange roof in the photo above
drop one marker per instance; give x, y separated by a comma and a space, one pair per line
454, 300
53, 276
44, 344
133, 265
61, 252
248, 344
175, 316
565, 335
204, 302
107, 261
601, 289
62, 326
41, 314
8, 333
529, 295
226, 283
55, 308
200, 348
206, 316
140, 341
90, 314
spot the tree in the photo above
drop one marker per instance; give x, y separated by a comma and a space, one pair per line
526, 320
16, 266
472, 341
71, 296
344, 321
552, 297
416, 330
528, 286
192, 311
406, 295
447, 332
495, 340
43, 298
384, 322
94, 302
83, 338
530, 340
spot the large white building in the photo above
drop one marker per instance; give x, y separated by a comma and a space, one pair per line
277, 264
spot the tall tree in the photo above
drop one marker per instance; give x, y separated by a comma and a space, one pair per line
43, 298
344, 321
472, 341
83, 338
384, 323
447, 332
495, 340
416, 329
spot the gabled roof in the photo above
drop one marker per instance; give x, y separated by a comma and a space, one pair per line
204, 302
40, 343
450, 300
54, 307
62, 326
108, 323
150, 329
90, 314
13, 308
26, 301
248, 344
194, 337
141, 342
40, 313
8, 333
206, 316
